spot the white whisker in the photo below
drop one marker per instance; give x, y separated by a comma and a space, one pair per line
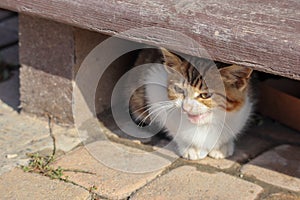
153, 106
155, 110
165, 108
149, 105
152, 112
229, 129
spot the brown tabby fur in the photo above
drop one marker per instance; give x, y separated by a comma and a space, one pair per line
235, 79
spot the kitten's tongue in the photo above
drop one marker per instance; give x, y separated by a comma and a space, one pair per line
195, 118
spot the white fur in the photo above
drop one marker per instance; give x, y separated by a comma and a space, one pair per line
215, 139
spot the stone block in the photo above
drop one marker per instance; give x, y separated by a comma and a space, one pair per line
17, 184
279, 166
85, 42
217, 163
21, 134
110, 183
282, 196
47, 59
50, 59
248, 146
188, 183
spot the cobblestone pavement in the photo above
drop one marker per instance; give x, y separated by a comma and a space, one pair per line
266, 163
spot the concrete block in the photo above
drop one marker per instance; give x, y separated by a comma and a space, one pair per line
188, 183
279, 166
47, 59
27, 186
110, 183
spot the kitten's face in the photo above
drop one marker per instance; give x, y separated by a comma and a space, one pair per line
188, 88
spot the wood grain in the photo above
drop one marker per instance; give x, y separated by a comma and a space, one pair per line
264, 35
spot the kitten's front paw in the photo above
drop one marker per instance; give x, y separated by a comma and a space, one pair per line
223, 152
217, 154
194, 154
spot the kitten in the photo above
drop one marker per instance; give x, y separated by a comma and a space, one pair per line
201, 119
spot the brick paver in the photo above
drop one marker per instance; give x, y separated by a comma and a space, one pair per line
217, 163
282, 196
188, 183
279, 166
19, 185
246, 148
21, 134
110, 183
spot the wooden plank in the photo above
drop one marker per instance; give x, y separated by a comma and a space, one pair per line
264, 35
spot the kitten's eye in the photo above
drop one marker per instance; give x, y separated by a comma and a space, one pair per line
178, 89
205, 95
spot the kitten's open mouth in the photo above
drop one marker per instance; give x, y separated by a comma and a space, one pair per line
197, 118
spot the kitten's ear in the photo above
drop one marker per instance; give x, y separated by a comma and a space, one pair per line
170, 60
236, 75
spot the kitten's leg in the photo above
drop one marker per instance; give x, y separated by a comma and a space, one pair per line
224, 151
191, 152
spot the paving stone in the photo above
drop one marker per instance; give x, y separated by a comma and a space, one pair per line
249, 146
21, 134
111, 183
279, 166
17, 184
217, 163
282, 196
188, 183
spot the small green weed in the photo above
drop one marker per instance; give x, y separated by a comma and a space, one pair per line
40, 164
